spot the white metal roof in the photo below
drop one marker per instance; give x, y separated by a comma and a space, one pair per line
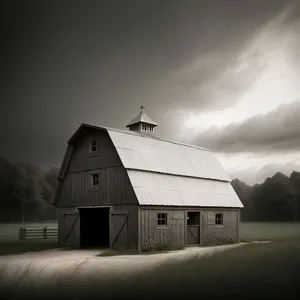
149, 154
142, 117
169, 190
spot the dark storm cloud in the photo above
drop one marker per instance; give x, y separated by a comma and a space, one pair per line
218, 78
276, 131
95, 62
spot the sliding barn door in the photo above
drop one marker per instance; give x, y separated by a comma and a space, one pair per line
119, 230
70, 230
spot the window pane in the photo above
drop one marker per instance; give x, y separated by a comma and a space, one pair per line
95, 179
219, 219
162, 219
93, 146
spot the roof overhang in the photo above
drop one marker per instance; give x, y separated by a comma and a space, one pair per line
82, 129
142, 122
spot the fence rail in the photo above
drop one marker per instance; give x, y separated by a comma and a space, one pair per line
38, 233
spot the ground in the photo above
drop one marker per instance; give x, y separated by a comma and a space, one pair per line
250, 269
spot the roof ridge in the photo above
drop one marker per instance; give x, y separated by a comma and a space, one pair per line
158, 138
145, 135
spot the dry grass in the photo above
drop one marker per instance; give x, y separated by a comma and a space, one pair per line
15, 247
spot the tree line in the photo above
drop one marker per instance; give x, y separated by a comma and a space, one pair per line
276, 199
26, 193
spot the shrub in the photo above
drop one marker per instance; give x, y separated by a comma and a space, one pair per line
224, 238
158, 244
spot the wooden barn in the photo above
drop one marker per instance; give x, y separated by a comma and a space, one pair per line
125, 188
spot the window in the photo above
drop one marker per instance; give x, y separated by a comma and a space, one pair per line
162, 219
147, 128
93, 146
219, 219
95, 179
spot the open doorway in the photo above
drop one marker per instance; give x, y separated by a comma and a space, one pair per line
94, 227
193, 228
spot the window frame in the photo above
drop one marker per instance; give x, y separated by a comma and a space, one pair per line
93, 180
219, 219
162, 216
91, 146
147, 128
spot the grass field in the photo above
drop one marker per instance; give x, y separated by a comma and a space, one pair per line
251, 231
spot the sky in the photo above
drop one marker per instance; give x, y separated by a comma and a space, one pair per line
223, 75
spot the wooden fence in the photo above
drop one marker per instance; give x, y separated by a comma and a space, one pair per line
38, 233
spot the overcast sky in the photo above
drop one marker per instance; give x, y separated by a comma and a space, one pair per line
220, 74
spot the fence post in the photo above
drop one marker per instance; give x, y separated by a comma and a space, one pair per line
22, 233
45, 232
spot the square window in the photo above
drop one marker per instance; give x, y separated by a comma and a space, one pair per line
93, 146
162, 219
95, 179
219, 219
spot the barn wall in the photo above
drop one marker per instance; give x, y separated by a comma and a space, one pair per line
218, 234
210, 233
114, 188
114, 185
148, 226
105, 157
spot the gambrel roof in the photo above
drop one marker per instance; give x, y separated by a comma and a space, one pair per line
165, 172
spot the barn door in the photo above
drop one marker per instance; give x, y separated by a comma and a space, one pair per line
208, 227
70, 236
193, 228
119, 230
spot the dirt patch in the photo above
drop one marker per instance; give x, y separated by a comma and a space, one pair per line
57, 265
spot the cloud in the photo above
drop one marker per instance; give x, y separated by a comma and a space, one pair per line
225, 74
276, 131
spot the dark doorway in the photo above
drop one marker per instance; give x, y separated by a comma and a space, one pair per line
193, 228
94, 227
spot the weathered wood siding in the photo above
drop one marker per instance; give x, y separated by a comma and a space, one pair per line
210, 234
219, 234
124, 234
148, 228
114, 188
114, 184
83, 160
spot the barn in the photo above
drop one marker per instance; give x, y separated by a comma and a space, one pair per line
127, 188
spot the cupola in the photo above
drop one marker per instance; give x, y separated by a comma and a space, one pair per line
142, 123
